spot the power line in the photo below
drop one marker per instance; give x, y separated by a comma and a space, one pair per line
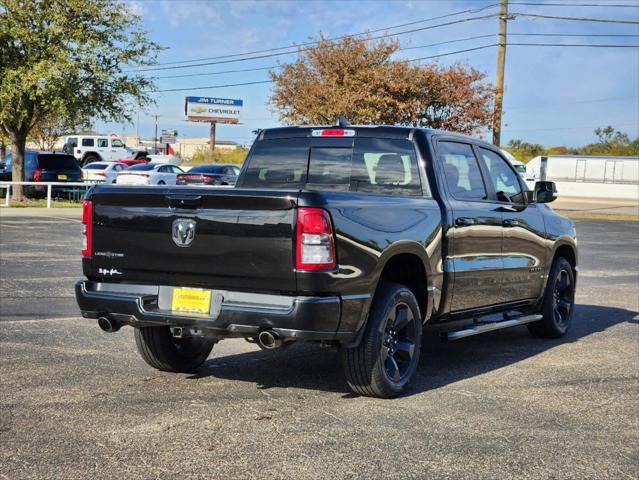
566, 128
576, 102
277, 66
304, 44
298, 50
591, 45
573, 35
270, 81
411, 60
214, 86
271, 67
618, 5
577, 19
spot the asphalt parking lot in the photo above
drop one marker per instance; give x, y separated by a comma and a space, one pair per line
79, 403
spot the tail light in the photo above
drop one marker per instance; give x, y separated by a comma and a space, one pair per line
315, 248
87, 227
37, 175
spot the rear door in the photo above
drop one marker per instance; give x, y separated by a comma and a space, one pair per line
474, 229
524, 247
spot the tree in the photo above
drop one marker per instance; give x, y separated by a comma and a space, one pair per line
611, 142
524, 151
357, 78
49, 129
68, 58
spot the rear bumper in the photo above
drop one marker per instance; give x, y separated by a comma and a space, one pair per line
241, 314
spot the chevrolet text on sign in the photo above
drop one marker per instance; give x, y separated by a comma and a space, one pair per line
206, 109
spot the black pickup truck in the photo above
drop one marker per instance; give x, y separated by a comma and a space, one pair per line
352, 236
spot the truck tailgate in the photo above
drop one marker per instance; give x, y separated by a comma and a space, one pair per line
243, 239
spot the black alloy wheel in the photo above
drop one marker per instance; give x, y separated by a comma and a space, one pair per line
398, 342
558, 304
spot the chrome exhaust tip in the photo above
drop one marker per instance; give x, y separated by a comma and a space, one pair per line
269, 340
108, 325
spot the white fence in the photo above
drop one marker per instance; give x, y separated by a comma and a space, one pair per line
49, 185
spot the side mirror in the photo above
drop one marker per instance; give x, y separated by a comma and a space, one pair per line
545, 192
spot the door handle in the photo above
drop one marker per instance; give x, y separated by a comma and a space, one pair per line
510, 222
184, 201
464, 221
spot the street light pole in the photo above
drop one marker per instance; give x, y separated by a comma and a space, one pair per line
501, 62
155, 138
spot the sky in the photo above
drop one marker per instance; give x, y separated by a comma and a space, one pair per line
553, 95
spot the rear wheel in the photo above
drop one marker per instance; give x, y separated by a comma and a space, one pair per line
558, 302
161, 350
387, 356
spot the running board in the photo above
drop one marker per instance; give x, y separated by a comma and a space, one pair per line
478, 328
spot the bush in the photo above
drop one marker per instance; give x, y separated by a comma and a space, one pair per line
203, 155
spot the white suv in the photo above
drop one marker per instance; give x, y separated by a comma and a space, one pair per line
90, 148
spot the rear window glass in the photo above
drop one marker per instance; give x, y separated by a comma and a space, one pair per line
87, 142
51, 162
95, 166
142, 167
373, 165
207, 169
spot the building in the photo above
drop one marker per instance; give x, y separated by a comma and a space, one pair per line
588, 176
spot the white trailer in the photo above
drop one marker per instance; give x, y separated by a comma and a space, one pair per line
588, 176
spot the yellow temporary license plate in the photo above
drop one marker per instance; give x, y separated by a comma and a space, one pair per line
193, 300
62, 177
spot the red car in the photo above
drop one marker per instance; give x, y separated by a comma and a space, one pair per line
133, 161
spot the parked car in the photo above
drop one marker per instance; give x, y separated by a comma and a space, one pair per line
149, 174
102, 171
95, 148
162, 158
351, 236
43, 167
212, 174
129, 162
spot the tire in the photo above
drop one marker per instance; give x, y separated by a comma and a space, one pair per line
558, 303
159, 349
90, 158
388, 354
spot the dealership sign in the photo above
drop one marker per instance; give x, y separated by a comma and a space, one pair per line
219, 110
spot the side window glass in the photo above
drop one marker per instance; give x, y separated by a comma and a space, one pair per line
87, 142
462, 172
116, 142
103, 142
503, 178
385, 166
236, 171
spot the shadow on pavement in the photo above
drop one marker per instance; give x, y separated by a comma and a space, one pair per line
308, 366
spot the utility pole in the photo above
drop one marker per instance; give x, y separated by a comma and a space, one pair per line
501, 61
155, 138
137, 127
